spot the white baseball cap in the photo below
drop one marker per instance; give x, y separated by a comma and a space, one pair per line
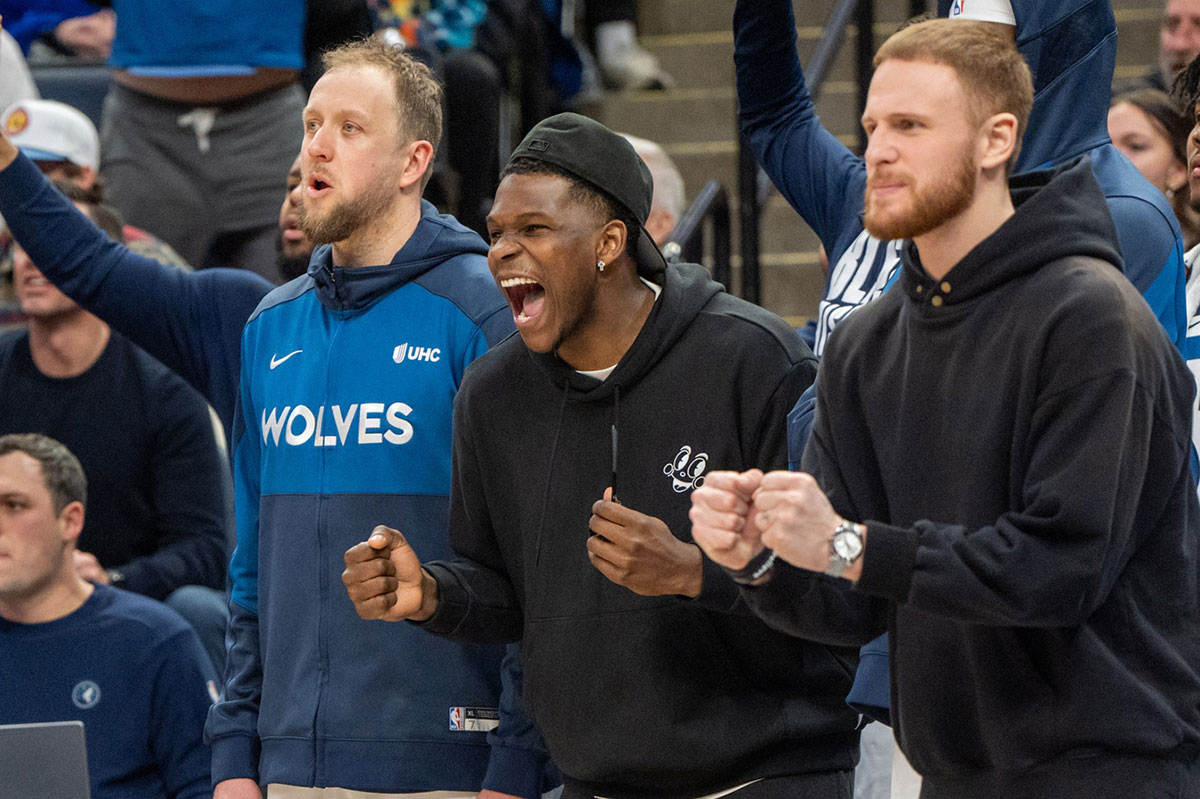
984, 11
47, 130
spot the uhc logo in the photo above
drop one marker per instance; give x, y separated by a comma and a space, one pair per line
362, 423
403, 352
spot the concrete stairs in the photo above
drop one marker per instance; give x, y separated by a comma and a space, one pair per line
696, 121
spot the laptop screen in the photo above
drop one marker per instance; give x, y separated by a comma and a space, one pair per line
43, 760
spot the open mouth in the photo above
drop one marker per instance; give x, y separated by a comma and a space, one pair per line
525, 296
318, 186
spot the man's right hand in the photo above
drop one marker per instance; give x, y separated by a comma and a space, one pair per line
240, 788
723, 517
385, 580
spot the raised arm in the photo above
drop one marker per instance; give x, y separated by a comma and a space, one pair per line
815, 172
190, 321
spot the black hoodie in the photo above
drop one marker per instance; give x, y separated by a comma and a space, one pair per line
1016, 438
638, 696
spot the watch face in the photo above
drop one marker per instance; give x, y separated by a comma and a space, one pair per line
848, 546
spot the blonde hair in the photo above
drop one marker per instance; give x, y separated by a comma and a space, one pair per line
418, 93
993, 74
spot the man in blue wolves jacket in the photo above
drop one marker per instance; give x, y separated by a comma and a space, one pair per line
348, 375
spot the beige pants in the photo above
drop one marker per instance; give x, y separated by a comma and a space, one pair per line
276, 791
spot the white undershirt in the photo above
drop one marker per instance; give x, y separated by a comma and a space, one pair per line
602, 374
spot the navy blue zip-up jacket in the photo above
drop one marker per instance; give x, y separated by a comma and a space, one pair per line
348, 380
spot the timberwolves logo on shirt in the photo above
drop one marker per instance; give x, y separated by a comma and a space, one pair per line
86, 695
685, 470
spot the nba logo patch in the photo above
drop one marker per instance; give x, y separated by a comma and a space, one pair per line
18, 120
956, 8
474, 719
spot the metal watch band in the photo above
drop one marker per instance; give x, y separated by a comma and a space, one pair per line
838, 564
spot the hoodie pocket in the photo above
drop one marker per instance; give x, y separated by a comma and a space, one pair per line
642, 692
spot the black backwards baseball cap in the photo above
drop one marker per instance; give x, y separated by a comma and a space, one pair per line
584, 148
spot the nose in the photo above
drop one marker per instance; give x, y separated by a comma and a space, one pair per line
879, 149
501, 248
22, 263
318, 146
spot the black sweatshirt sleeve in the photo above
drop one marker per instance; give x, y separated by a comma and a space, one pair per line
476, 598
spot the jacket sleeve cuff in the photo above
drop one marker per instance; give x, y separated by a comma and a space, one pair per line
234, 757
515, 771
717, 590
453, 602
888, 561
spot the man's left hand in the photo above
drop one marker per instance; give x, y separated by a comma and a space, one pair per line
89, 568
486, 794
640, 553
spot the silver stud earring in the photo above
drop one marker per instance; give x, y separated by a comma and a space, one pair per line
600, 265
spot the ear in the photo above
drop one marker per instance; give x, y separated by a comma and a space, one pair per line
1177, 176
998, 139
87, 177
71, 521
418, 155
612, 241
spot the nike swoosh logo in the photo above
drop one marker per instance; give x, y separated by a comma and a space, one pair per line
276, 361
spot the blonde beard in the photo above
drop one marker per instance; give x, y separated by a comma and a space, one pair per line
932, 206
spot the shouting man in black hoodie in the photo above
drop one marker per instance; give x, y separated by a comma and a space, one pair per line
576, 448
1040, 582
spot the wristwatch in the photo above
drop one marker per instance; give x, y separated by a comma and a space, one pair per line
845, 547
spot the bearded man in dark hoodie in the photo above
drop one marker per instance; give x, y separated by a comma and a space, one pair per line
1040, 583
629, 380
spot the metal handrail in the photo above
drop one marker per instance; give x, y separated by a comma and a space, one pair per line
687, 240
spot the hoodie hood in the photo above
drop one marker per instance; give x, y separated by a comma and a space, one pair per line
1060, 213
686, 289
1071, 48
437, 238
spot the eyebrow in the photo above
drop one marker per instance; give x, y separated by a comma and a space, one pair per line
522, 217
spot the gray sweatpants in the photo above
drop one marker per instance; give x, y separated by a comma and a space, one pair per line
209, 181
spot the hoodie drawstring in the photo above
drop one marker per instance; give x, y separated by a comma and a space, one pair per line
562, 410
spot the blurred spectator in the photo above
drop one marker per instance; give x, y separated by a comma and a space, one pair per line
669, 200
65, 145
202, 121
190, 321
49, 30
471, 45
623, 62
69, 650
1148, 129
157, 521
1178, 42
15, 81
327, 24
